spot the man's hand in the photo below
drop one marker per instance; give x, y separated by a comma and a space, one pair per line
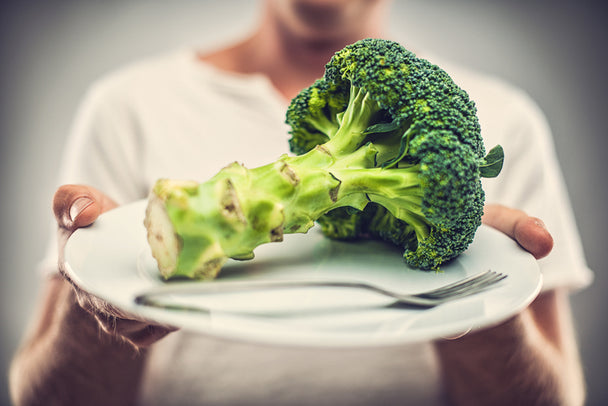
64, 358
530, 359
77, 206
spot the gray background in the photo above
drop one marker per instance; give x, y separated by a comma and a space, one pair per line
51, 50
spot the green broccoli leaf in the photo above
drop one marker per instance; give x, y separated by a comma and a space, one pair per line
491, 164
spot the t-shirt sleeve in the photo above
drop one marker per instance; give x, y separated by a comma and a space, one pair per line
532, 181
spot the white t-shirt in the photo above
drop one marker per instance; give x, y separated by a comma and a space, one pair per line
176, 117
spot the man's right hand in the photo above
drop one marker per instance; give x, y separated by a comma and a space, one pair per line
77, 206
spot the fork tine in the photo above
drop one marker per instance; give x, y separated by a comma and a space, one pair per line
471, 284
455, 285
478, 286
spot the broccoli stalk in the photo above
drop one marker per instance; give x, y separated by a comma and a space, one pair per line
388, 148
239, 208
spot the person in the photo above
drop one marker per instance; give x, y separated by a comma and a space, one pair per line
187, 114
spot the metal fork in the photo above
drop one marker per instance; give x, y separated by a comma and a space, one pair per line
459, 289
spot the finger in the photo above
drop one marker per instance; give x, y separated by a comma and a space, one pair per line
138, 332
77, 206
529, 232
94, 305
145, 334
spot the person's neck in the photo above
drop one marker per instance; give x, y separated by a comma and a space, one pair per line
290, 62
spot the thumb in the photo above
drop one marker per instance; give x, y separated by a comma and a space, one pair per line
529, 232
77, 206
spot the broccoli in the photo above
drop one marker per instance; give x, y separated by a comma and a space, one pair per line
385, 146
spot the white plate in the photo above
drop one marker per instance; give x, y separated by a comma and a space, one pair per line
111, 259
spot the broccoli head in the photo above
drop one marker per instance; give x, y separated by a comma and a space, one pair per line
422, 125
386, 146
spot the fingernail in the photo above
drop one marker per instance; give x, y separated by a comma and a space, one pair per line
540, 223
78, 206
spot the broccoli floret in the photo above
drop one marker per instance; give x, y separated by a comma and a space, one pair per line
387, 146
